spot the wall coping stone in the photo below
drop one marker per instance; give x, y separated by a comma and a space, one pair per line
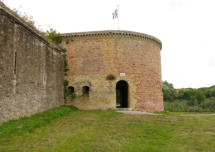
30, 29
112, 33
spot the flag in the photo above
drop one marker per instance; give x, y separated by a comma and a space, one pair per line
115, 14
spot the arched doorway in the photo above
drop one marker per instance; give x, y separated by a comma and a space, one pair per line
122, 94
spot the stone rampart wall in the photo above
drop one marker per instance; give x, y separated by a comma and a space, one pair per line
31, 70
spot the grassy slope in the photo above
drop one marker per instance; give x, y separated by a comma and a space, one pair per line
91, 131
26, 124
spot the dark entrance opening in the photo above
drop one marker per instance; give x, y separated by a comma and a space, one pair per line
122, 94
85, 91
71, 90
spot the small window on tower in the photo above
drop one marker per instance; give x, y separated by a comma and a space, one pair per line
85, 91
71, 90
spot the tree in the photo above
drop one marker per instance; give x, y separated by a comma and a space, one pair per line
200, 96
180, 94
212, 93
168, 91
194, 97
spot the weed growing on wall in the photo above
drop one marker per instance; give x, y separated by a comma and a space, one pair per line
73, 95
110, 77
66, 82
53, 36
27, 19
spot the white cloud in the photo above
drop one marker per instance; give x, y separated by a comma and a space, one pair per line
176, 4
211, 63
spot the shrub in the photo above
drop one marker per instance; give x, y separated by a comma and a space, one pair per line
177, 106
168, 91
213, 93
180, 94
26, 19
200, 97
66, 91
73, 95
191, 102
208, 105
66, 82
182, 106
110, 77
193, 97
53, 36
206, 92
189, 94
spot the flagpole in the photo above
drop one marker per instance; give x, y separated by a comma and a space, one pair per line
115, 15
118, 15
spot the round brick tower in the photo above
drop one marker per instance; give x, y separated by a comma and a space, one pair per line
109, 69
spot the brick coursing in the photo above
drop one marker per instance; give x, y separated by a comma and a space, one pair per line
94, 55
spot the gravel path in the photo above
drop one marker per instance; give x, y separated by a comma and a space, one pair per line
200, 114
149, 113
138, 113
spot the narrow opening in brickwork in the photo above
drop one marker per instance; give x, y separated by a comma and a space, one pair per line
14, 69
85, 91
71, 90
122, 94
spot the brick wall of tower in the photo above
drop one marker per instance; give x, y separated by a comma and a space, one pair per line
92, 57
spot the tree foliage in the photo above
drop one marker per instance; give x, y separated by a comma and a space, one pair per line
168, 91
202, 99
193, 96
53, 36
212, 93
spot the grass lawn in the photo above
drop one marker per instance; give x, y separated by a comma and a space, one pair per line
107, 131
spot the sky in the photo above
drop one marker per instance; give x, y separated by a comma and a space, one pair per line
185, 27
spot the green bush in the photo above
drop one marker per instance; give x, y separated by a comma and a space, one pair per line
168, 91
190, 106
110, 77
193, 97
66, 82
53, 36
206, 92
192, 102
73, 95
182, 106
176, 106
180, 95
66, 91
212, 93
200, 96
202, 99
189, 94
208, 105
